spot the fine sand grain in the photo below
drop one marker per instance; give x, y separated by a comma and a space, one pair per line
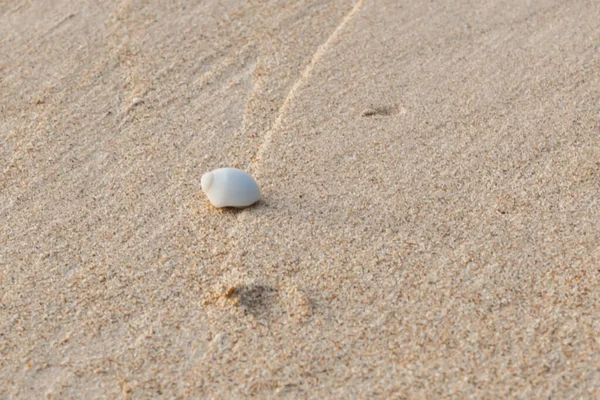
430, 221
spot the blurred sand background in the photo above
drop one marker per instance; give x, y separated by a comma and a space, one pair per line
431, 217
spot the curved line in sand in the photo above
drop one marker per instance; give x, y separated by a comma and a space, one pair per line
321, 50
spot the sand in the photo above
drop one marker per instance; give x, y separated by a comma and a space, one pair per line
430, 222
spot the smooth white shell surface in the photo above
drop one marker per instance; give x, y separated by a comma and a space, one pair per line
230, 187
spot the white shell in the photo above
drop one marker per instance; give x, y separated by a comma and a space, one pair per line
230, 187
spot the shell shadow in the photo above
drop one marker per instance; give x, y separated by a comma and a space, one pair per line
259, 205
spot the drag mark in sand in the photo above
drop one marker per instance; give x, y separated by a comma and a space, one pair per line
321, 50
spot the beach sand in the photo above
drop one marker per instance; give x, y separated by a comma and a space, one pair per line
430, 221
